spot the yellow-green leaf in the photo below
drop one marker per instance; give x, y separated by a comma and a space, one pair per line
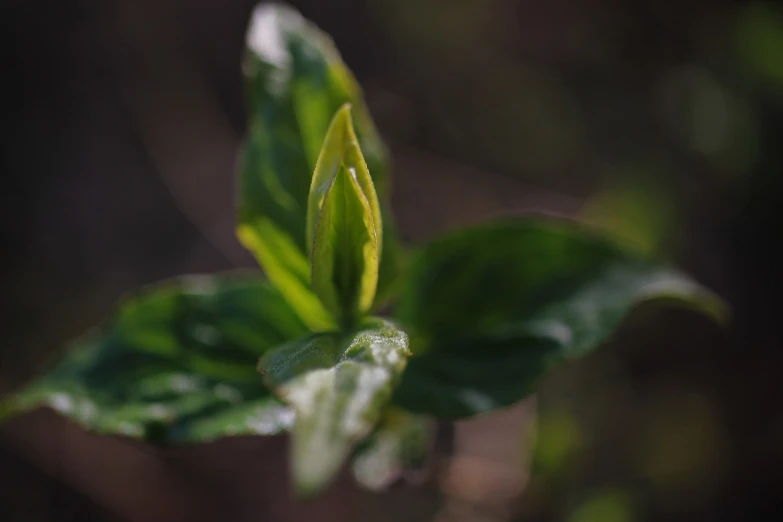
343, 225
341, 148
287, 268
296, 81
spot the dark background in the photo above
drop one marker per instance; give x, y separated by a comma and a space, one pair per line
659, 122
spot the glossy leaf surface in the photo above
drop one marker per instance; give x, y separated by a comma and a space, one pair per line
175, 364
339, 385
490, 309
296, 82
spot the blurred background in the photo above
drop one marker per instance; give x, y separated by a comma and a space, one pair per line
658, 122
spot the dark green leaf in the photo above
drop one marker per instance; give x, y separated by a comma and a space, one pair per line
339, 385
343, 223
296, 82
175, 364
399, 443
492, 308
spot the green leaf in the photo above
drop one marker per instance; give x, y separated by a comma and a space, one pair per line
341, 149
491, 309
339, 385
343, 223
296, 82
288, 269
175, 364
399, 443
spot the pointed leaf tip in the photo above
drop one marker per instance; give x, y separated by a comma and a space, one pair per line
296, 82
343, 224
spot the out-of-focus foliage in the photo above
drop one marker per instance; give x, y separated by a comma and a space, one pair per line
339, 384
759, 37
603, 506
296, 82
490, 310
399, 442
176, 364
